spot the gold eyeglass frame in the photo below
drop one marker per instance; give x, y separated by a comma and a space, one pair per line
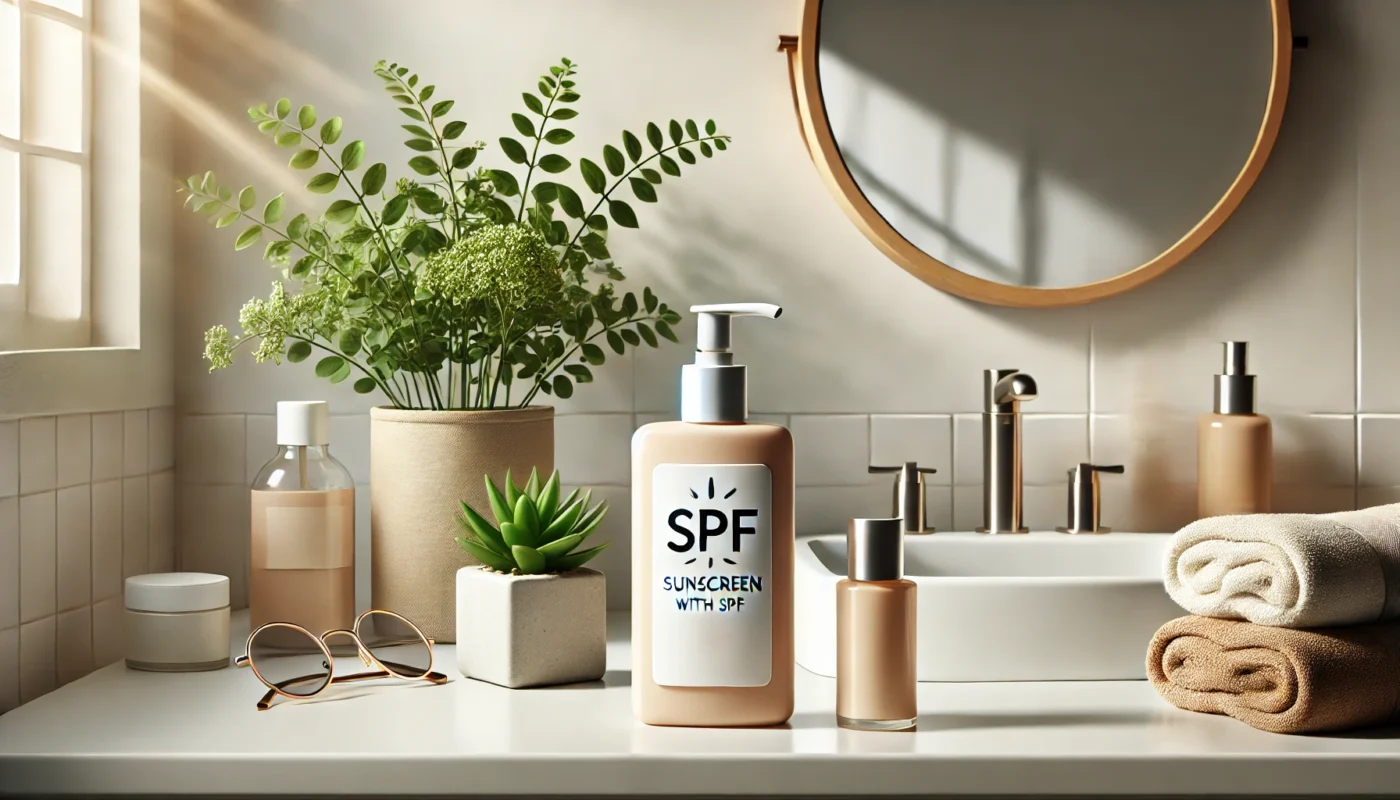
384, 669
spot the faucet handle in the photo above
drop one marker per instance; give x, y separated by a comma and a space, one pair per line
908, 493
1083, 508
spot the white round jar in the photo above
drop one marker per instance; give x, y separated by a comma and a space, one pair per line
177, 622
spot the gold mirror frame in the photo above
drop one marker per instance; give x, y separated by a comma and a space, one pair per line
821, 146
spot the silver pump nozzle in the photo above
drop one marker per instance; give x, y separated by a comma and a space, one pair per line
714, 388
1234, 388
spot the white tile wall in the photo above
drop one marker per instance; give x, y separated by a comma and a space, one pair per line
868, 364
73, 522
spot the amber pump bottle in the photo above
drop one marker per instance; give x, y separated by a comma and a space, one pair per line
712, 549
1234, 445
876, 642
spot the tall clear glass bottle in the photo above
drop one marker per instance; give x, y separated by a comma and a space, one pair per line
302, 556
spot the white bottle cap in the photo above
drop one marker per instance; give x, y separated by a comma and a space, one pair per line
303, 422
714, 388
176, 592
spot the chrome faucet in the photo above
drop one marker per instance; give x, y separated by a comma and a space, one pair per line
1003, 392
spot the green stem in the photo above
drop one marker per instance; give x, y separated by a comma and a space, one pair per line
368, 373
545, 374
539, 137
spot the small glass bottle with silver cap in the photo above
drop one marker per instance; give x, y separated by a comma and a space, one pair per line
876, 644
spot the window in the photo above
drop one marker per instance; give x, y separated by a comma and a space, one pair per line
45, 174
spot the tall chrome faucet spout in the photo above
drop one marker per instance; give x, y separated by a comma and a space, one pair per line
1003, 392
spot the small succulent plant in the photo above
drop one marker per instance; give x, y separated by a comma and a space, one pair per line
537, 532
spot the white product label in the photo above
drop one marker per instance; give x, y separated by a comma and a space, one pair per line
711, 572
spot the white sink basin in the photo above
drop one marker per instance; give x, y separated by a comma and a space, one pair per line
1036, 607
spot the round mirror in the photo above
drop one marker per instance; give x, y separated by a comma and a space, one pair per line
1041, 152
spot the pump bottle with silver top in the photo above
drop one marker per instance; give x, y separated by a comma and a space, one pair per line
712, 548
876, 640
1234, 445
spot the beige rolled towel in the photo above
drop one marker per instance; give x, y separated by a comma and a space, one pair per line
1281, 680
1290, 570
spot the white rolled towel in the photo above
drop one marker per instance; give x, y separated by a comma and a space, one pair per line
1290, 570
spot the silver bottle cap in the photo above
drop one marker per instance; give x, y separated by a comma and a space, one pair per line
1235, 389
875, 549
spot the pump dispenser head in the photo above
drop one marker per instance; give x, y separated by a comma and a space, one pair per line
714, 388
1235, 388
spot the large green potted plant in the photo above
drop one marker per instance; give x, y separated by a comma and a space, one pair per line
459, 293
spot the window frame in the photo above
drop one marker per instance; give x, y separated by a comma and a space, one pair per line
28, 331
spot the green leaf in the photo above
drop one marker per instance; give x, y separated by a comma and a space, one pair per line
616, 343
548, 501
419, 130
686, 156
528, 559
463, 158
569, 201
532, 102
353, 155
304, 159
563, 387
394, 209
654, 136
592, 175
284, 107
484, 555
330, 132
341, 374
423, 165
342, 211
349, 341
515, 533
669, 166
532, 486
299, 352
720, 145
545, 192
512, 493
647, 335
568, 97
593, 354
597, 222
411, 113
440, 109
564, 524
287, 139
622, 213
421, 145
247, 237
426, 93
612, 159
453, 129
499, 506
665, 330
374, 178
328, 366
630, 336
632, 145
504, 182
563, 114
365, 385
486, 533
523, 124
306, 117
559, 136
209, 207
514, 150
579, 372
651, 174
643, 189
324, 183
710, 127
227, 219
675, 131
302, 267
554, 163
561, 546
297, 226
272, 212
268, 126
595, 246
691, 129
247, 198
706, 150
576, 560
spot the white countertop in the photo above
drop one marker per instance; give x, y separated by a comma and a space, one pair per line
118, 731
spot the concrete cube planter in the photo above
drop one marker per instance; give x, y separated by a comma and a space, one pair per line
531, 630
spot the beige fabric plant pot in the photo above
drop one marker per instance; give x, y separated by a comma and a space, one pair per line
422, 463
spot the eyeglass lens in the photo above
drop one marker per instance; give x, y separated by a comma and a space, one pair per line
396, 644
290, 659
